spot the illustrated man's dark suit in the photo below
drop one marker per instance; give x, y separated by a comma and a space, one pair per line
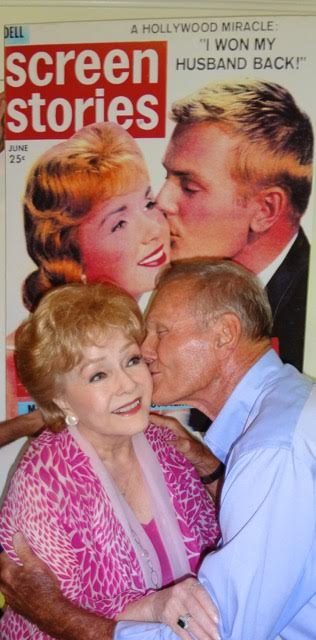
287, 292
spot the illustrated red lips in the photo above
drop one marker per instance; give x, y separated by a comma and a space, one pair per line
129, 409
154, 259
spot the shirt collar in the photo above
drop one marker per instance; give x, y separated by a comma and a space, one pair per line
231, 420
267, 273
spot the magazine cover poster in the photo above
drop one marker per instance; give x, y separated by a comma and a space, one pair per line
133, 143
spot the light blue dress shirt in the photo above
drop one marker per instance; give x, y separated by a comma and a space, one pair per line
262, 578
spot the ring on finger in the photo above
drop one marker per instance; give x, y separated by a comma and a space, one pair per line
183, 621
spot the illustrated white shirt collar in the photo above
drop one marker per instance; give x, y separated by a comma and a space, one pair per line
267, 273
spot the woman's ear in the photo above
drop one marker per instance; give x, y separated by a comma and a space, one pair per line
70, 417
270, 204
61, 404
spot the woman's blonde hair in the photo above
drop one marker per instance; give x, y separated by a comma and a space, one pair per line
99, 161
68, 318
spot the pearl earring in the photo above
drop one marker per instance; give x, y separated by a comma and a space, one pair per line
71, 420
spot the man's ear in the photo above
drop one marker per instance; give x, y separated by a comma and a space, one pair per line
269, 205
227, 333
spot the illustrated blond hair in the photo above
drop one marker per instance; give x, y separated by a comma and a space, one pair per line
99, 161
274, 138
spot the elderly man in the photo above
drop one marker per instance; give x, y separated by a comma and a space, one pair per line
208, 344
239, 174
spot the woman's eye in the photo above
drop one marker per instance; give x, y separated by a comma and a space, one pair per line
134, 360
97, 376
150, 205
120, 225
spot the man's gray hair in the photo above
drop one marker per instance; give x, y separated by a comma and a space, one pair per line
223, 286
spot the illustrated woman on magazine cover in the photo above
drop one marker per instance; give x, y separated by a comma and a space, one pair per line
89, 216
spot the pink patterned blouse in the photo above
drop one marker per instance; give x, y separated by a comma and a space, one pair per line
60, 505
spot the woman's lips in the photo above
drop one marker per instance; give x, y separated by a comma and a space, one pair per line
154, 259
128, 409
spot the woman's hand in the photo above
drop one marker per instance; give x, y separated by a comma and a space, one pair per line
187, 601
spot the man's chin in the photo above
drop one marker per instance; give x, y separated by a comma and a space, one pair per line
162, 399
182, 253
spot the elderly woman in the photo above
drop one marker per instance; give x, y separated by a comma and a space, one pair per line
89, 216
101, 497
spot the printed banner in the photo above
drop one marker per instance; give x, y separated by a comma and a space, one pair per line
225, 172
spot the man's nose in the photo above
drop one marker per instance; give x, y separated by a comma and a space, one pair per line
148, 349
167, 198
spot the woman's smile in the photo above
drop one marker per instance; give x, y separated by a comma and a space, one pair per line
154, 259
130, 408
